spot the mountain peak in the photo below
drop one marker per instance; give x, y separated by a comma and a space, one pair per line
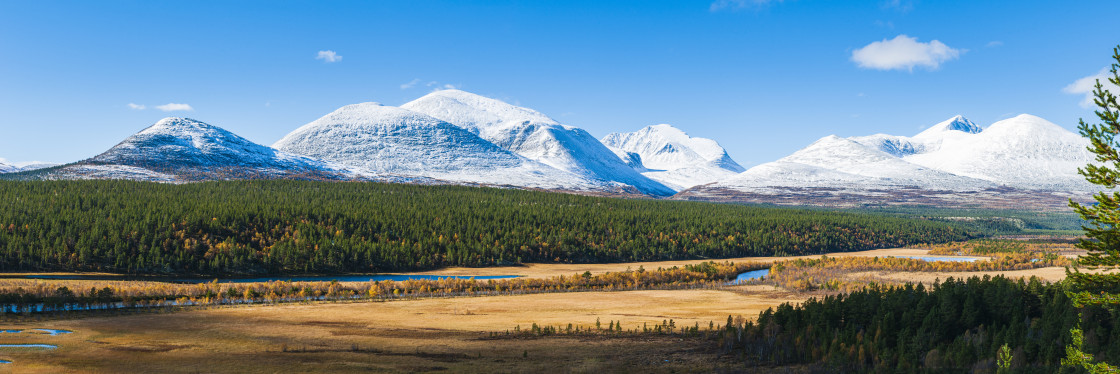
478, 114
957, 123
185, 129
178, 148
1027, 124
653, 140
181, 123
1028, 118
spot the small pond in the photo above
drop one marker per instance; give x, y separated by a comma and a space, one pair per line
51, 332
750, 275
31, 346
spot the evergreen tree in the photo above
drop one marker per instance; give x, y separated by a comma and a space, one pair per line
1103, 243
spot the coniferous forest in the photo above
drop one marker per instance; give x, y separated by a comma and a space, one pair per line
290, 227
955, 326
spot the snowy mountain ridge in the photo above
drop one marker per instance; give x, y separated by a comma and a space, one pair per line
390, 140
535, 136
671, 156
1025, 153
23, 166
183, 149
453, 136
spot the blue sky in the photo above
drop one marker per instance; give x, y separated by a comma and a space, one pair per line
764, 78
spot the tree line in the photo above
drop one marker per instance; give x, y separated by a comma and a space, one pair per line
31, 297
303, 227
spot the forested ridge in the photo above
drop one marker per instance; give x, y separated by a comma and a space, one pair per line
289, 227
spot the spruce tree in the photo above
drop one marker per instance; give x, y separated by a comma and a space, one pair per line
1103, 231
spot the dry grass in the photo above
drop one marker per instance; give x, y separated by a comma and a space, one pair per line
401, 336
552, 270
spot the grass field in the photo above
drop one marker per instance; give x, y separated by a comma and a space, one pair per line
399, 336
424, 335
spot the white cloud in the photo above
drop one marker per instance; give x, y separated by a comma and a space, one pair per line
1085, 86
899, 5
328, 56
136, 106
436, 86
439, 87
739, 4
904, 53
410, 84
172, 107
994, 43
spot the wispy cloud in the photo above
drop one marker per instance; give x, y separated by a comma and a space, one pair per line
174, 107
447, 86
437, 86
1085, 86
994, 43
903, 6
410, 84
719, 5
904, 53
329, 56
136, 106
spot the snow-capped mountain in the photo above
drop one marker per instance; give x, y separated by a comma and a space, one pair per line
10, 168
535, 136
36, 166
183, 149
957, 124
390, 140
842, 163
670, 156
1025, 154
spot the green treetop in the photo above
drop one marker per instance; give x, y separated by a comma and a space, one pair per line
1103, 231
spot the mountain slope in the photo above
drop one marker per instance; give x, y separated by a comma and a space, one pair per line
1022, 152
390, 140
672, 157
5, 168
845, 164
953, 162
535, 136
183, 149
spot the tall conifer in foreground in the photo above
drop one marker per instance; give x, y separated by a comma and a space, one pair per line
1103, 232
